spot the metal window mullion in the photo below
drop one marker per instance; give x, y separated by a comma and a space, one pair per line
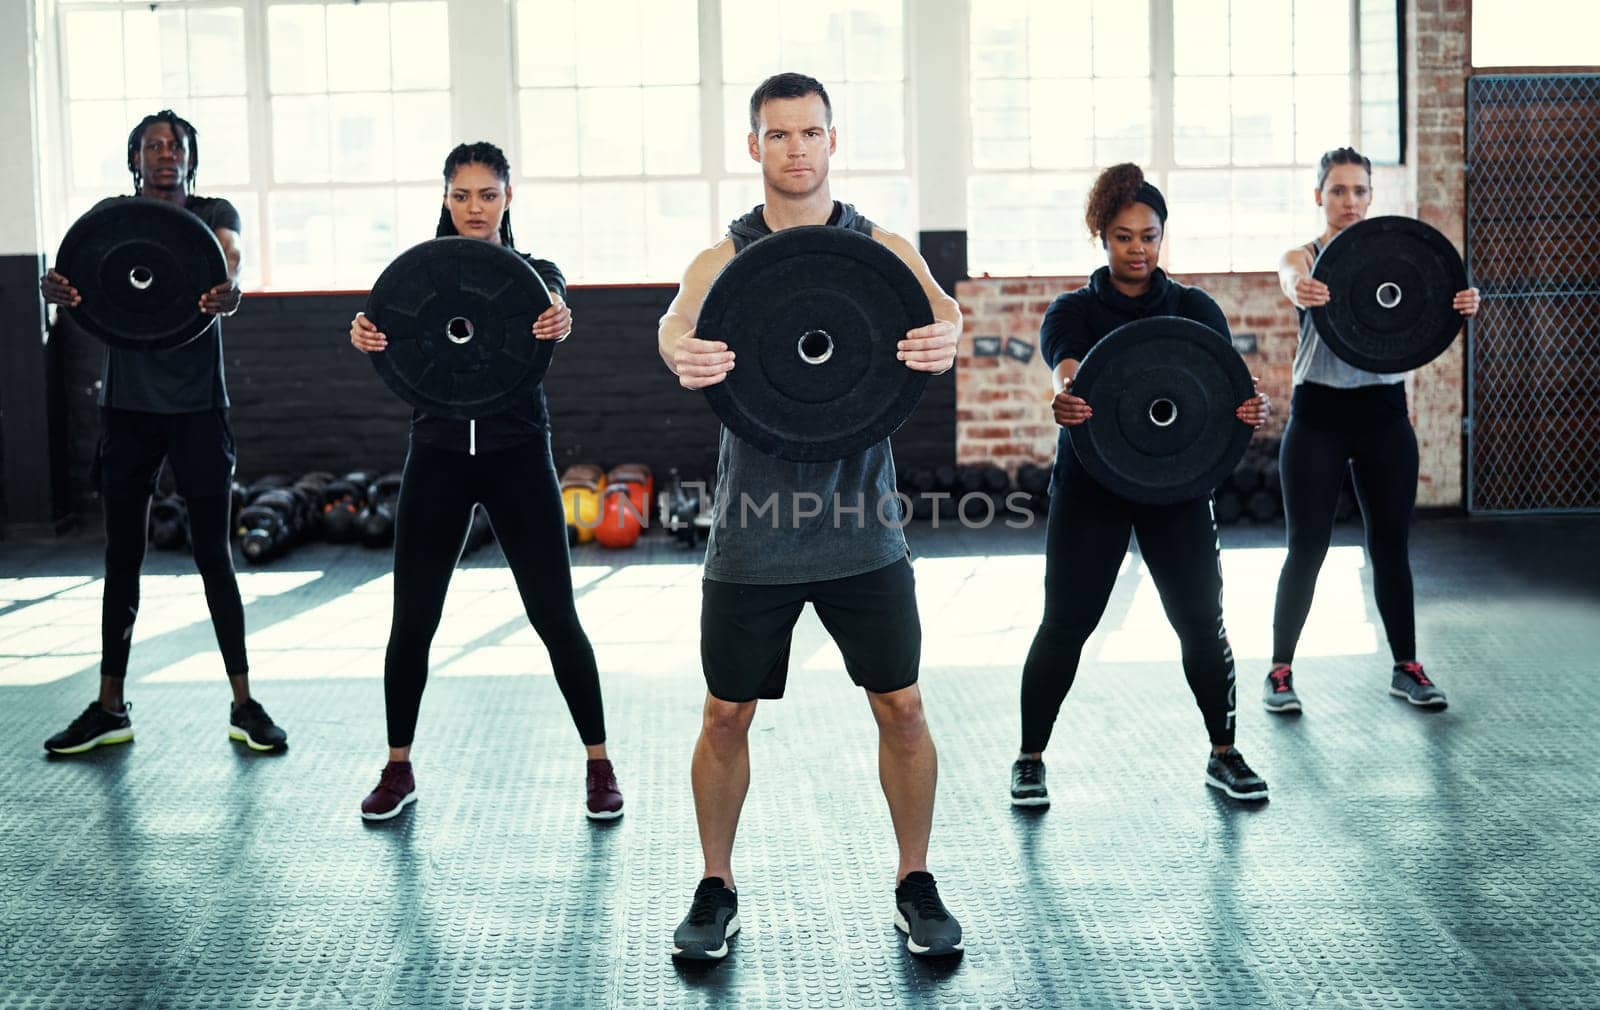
1355, 75
712, 169
63, 80
258, 106
1163, 88
1163, 91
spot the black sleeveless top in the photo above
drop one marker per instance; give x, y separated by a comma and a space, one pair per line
753, 544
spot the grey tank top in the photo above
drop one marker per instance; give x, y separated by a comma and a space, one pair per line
779, 522
1314, 362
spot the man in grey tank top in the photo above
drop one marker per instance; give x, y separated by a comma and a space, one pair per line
845, 559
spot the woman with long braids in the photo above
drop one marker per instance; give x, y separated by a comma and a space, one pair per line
1087, 535
1345, 418
502, 462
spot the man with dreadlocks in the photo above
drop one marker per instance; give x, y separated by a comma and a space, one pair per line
167, 405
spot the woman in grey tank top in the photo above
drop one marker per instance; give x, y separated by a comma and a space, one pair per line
1345, 418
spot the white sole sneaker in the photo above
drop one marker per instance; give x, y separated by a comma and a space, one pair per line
712, 955
914, 947
410, 799
1217, 783
602, 815
110, 736
1288, 706
1030, 801
1430, 703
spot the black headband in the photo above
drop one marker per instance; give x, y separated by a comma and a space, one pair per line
1151, 197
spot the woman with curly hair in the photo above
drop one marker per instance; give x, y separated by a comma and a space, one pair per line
1089, 526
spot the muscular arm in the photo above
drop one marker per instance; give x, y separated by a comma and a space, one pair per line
928, 348
696, 363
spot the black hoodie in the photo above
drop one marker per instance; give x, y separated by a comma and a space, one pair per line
1078, 320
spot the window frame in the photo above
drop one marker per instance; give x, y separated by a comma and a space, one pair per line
261, 184
485, 101
1163, 94
714, 173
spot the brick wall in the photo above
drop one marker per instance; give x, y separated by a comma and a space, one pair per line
1436, 73
1003, 405
304, 399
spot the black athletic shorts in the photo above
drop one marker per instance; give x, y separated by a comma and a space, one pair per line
745, 631
134, 442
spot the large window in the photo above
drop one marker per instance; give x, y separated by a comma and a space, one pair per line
857, 49
1241, 98
1382, 136
628, 169
326, 121
121, 63
1057, 88
359, 100
609, 97
333, 164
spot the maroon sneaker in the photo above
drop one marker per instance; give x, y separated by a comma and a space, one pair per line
605, 799
394, 791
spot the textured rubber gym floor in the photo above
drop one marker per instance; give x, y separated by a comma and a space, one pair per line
1406, 859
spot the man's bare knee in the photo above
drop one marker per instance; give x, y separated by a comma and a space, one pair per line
899, 714
726, 723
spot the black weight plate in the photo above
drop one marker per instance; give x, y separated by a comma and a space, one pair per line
141, 265
835, 297
1391, 281
459, 315
1164, 391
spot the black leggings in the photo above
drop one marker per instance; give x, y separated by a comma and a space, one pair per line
518, 488
1368, 430
199, 447
127, 519
1085, 543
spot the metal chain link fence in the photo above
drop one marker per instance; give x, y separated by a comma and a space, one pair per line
1533, 249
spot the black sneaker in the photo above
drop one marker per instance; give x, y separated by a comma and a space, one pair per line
1414, 686
1278, 693
1228, 772
93, 727
713, 917
250, 724
1027, 784
930, 929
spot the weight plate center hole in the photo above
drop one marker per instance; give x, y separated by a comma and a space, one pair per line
1388, 294
816, 346
459, 330
141, 277
1163, 412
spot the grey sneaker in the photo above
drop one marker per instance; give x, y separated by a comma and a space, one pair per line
1027, 784
713, 917
1278, 693
1228, 772
1413, 685
930, 929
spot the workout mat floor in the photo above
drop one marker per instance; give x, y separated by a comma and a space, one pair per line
1406, 859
